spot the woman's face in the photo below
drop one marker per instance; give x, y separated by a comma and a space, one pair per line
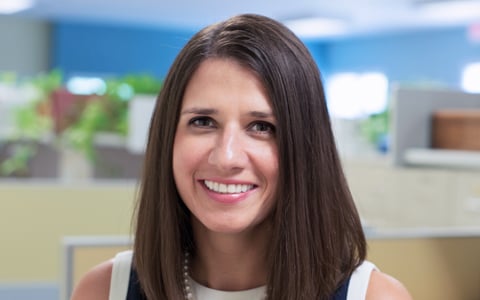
225, 160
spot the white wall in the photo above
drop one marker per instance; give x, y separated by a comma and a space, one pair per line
24, 45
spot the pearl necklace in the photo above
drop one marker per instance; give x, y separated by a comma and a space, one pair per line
187, 288
186, 281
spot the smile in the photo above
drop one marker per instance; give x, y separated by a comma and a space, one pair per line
227, 188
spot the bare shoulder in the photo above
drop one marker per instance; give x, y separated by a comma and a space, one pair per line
95, 285
385, 287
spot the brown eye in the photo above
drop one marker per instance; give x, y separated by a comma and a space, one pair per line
262, 128
202, 122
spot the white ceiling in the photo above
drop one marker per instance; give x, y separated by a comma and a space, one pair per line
360, 16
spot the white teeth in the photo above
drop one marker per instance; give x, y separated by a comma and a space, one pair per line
222, 188
227, 188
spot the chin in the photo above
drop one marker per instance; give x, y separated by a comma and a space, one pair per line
230, 222
234, 225
227, 227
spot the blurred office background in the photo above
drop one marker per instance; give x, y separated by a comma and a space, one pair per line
78, 80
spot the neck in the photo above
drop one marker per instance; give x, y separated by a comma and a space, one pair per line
230, 262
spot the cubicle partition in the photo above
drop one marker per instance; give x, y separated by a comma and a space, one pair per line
433, 264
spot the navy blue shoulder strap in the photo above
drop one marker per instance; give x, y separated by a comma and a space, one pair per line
341, 292
134, 290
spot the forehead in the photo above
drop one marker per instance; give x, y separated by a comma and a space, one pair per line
218, 66
224, 80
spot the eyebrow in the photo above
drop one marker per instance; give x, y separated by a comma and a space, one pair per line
200, 111
261, 114
212, 111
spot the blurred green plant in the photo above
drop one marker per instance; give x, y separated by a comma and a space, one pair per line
17, 163
46, 83
376, 126
143, 83
109, 112
8, 78
33, 122
106, 112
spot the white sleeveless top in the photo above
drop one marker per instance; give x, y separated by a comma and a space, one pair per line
357, 288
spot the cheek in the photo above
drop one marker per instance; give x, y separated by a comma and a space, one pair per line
180, 161
186, 158
270, 162
181, 171
268, 165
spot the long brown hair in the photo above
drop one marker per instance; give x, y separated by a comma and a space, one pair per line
317, 236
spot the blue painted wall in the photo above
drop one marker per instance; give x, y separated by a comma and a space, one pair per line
106, 49
319, 52
430, 55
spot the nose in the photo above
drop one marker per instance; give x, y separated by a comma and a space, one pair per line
229, 151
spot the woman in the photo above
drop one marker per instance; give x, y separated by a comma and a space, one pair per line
243, 194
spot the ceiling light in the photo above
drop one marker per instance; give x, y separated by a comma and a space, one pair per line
451, 10
14, 6
316, 27
471, 78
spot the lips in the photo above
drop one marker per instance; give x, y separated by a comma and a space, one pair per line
223, 188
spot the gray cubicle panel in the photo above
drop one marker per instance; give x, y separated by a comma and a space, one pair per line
434, 264
81, 253
412, 110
